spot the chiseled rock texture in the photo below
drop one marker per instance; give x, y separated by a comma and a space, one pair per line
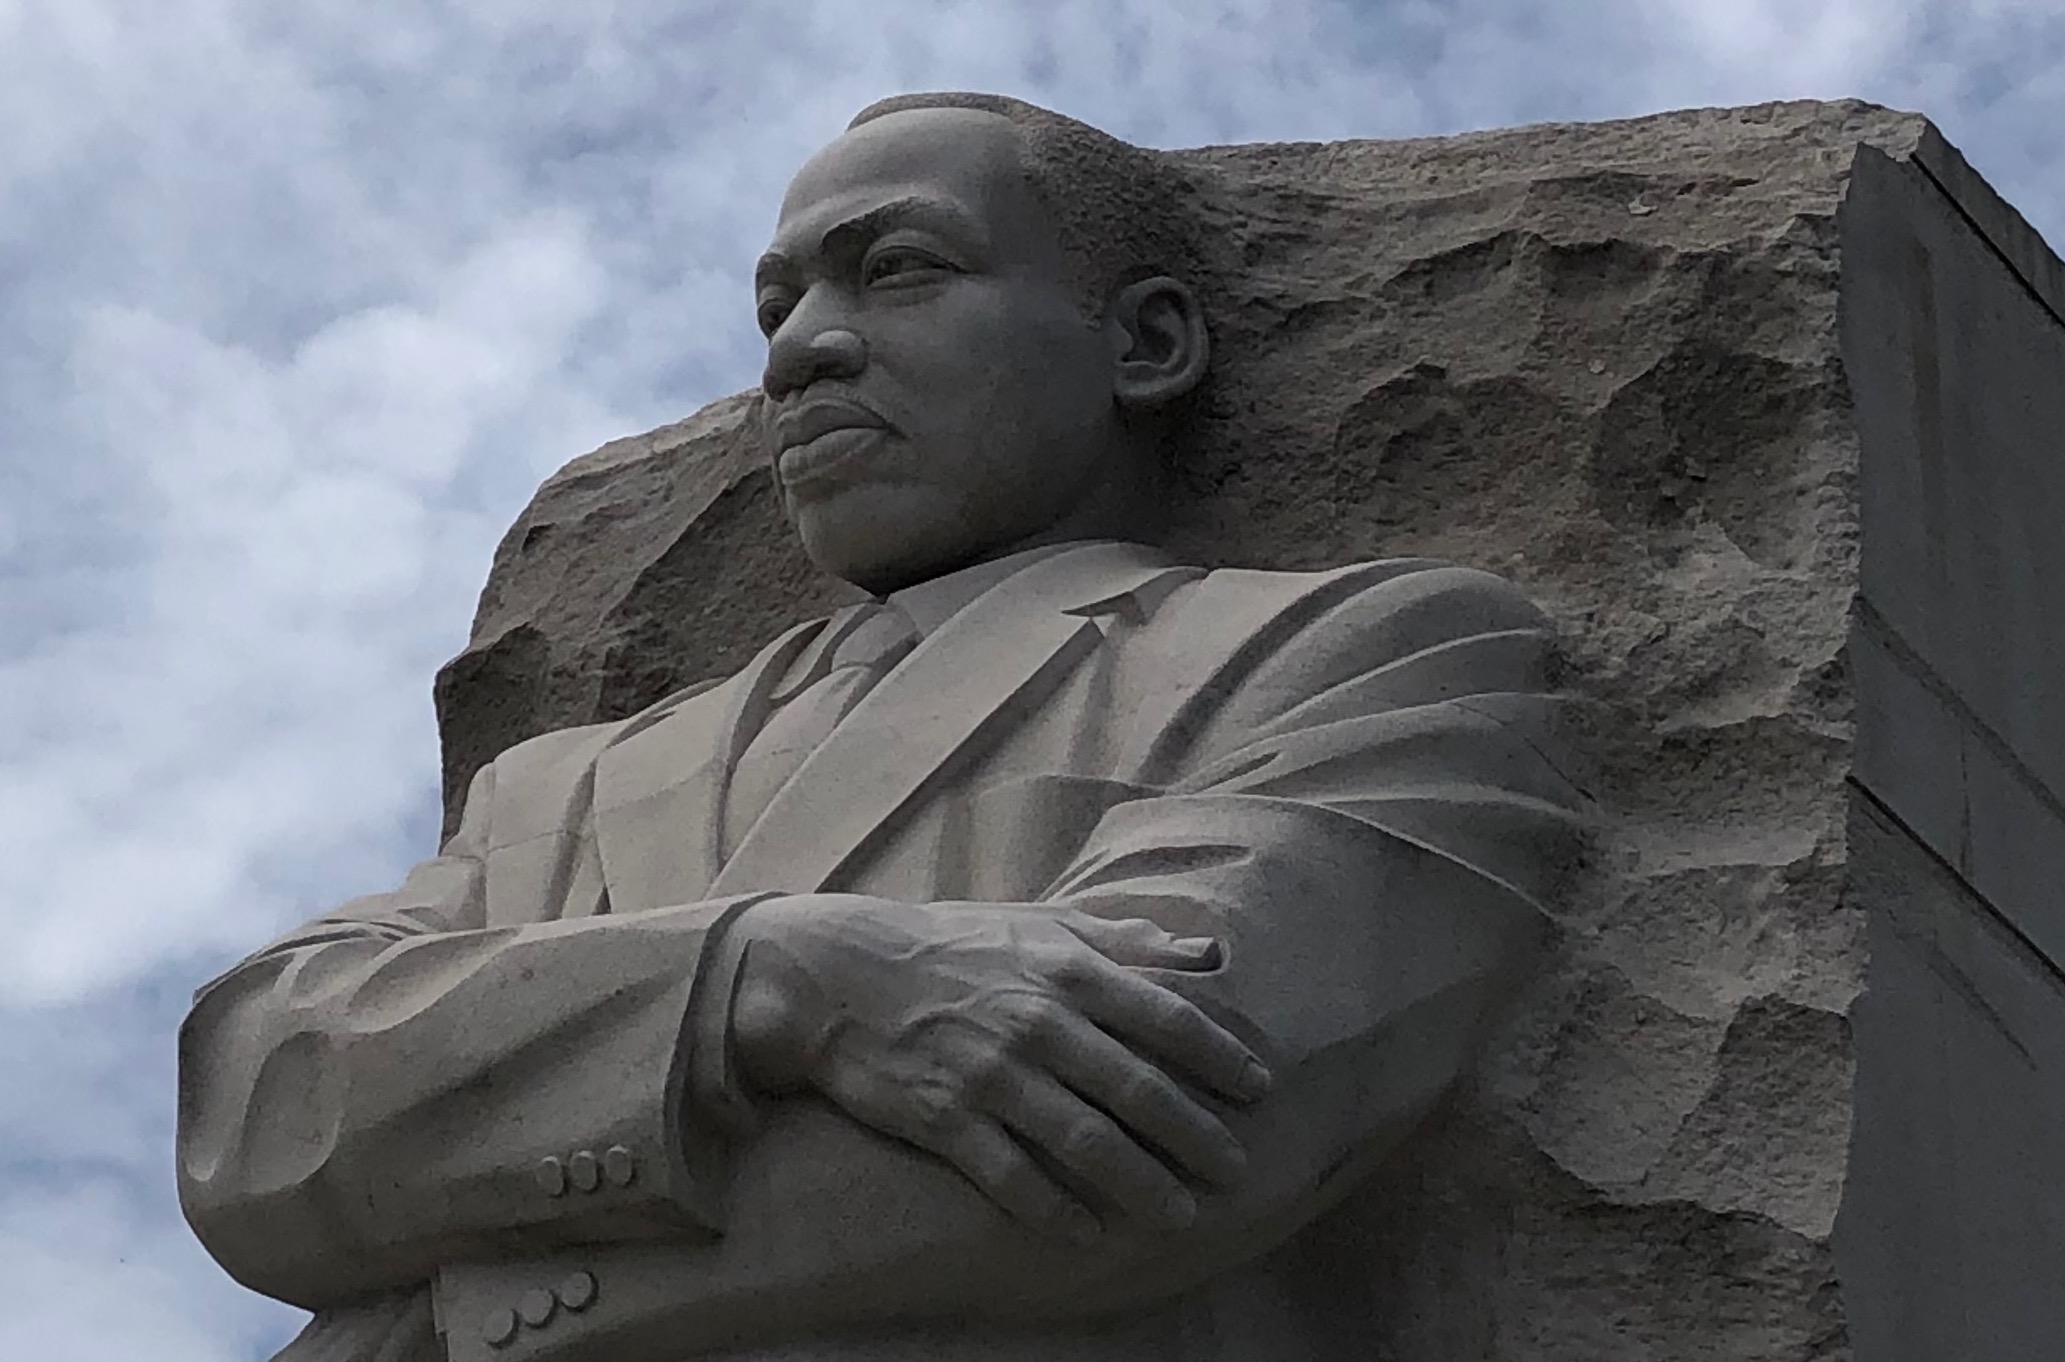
1602, 360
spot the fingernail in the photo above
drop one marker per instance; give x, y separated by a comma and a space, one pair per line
1205, 948
1256, 1079
1179, 1208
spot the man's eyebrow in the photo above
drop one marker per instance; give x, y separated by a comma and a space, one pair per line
911, 210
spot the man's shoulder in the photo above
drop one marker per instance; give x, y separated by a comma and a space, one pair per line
1421, 595
562, 758
542, 772
561, 747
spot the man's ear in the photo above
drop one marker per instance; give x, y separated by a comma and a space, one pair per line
1159, 344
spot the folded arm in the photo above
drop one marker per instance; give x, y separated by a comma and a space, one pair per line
1368, 826
398, 1085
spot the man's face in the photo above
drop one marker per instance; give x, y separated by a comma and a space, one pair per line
935, 395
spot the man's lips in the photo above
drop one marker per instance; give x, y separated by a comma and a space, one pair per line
814, 419
822, 459
819, 437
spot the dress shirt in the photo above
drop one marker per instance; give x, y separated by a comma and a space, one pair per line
860, 647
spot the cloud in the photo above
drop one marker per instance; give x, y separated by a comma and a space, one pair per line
288, 512
98, 1263
95, 1276
299, 301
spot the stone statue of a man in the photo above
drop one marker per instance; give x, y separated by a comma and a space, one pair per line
1013, 967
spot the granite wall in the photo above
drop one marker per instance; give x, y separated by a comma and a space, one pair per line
1952, 1241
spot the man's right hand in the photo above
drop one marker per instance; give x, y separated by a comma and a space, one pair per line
1019, 1044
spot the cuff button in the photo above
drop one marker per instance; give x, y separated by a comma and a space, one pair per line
535, 1307
581, 1170
577, 1292
551, 1176
499, 1328
619, 1166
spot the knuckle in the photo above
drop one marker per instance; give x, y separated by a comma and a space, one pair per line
1003, 1020
1072, 967
1052, 1210
1038, 1021
1142, 1088
981, 1159
1014, 1175
989, 1075
850, 1085
1175, 1015
935, 1107
1026, 1191
1154, 1006
1084, 1140
1004, 1172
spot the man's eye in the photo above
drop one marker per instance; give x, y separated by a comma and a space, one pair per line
898, 261
772, 314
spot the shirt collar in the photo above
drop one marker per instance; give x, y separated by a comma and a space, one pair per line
932, 603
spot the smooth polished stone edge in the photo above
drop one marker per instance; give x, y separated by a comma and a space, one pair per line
1958, 788
1997, 221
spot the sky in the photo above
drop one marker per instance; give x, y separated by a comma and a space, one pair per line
299, 302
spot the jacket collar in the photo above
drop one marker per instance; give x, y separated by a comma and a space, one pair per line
1006, 634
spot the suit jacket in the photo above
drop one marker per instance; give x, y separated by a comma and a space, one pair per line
468, 1101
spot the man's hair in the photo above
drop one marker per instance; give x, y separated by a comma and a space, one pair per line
1121, 213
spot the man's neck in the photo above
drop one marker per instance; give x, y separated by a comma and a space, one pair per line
933, 602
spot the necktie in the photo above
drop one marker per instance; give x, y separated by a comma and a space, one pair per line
839, 676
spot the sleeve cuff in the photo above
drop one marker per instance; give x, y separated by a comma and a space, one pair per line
712, 1111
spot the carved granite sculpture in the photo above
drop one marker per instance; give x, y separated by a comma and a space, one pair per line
1762, 407
1022, 962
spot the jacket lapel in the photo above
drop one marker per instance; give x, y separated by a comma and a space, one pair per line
991, 663
660, 787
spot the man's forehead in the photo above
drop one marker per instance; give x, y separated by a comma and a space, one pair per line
965, 157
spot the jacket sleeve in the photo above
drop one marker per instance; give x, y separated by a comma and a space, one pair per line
1372, 816
1371, 811
1376, 822
399, 1084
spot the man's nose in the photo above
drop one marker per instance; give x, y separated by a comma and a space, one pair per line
801, 353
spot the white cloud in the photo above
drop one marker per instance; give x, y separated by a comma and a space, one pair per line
298, 301
93, 1278
304, 559
1755, 46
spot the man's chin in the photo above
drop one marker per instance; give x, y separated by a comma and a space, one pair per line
875, 538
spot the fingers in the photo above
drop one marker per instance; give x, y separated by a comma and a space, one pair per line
1092, 1148
1053, 1073
973, 1143
1142, 1099
1142, 944
1154, 1020
1001, 1169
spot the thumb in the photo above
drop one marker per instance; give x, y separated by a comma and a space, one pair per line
1143, 943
